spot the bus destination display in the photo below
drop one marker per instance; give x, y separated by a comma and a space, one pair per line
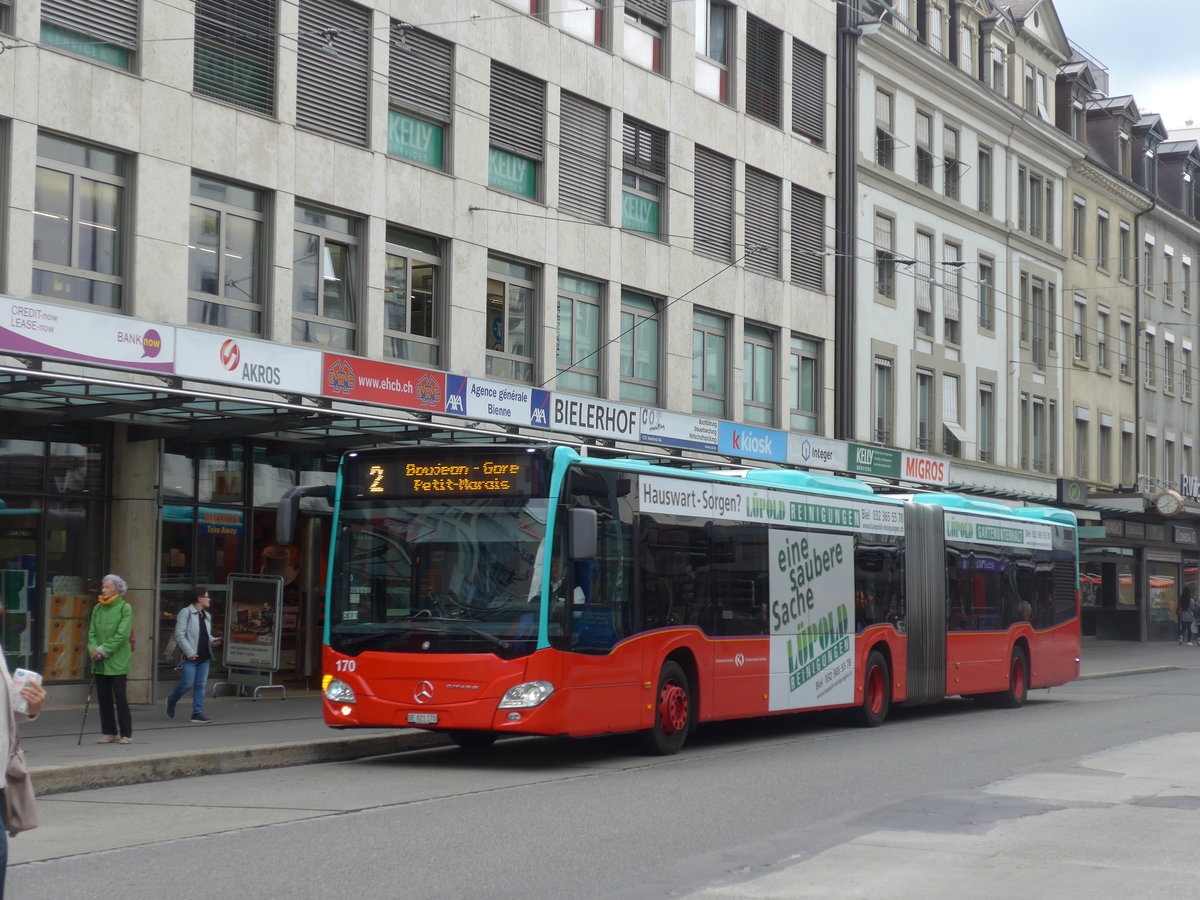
446, 475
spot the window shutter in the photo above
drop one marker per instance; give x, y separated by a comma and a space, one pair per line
645, 147
518, 112
950, 143
421, 78
235, 52
654, 10
883, 110
924, 273
935, 29
331, 88
924, 130
763, 213
952, 282
763, 50
951, 299
950, 399
714, 205
112, 21
808, 91
808, 245
883, 233
583, 159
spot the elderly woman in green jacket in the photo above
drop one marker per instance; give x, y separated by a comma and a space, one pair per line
112, 658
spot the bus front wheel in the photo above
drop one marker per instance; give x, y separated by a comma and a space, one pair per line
877, 691
672, 711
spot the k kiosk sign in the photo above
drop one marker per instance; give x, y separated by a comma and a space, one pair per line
752, 443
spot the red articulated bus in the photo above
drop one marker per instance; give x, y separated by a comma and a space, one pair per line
499, 589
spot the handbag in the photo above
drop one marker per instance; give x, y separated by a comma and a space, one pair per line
172, 655
20, 802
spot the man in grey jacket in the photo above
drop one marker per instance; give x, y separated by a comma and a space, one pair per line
193, 634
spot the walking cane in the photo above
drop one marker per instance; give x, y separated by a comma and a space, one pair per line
87, 703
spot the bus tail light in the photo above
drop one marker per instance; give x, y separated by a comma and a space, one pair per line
337, 691
527, 695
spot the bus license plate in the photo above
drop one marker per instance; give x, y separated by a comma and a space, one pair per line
422, 718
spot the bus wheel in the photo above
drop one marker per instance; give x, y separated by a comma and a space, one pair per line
473, 740
1018, 681
877, 691
672, 712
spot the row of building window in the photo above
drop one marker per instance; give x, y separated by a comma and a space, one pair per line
1158, 276
972, 42
79, 230
928, 412
1036, 190
421, 84
235, 61
1036, 435
1038, 303
1037, 428
645, 24
1157, 471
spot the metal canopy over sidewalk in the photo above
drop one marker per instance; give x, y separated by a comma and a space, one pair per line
170, 407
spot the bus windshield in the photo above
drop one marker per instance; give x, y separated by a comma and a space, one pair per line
438, 576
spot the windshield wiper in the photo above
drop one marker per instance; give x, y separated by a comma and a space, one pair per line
409, 623
499, 642
382, 631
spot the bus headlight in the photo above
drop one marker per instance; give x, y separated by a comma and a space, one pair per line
527, 695
337, 691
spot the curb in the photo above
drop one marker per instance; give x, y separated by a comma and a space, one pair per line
1142, 671
49, 780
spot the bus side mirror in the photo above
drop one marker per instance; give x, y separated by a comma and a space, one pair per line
584, 530
289, 509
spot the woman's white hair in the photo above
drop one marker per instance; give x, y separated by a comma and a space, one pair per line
117, 581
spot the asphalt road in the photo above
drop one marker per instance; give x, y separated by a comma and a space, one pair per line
1088, 791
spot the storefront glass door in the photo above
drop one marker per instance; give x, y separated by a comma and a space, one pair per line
1162, 607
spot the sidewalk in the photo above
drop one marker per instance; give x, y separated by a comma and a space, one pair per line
267, 733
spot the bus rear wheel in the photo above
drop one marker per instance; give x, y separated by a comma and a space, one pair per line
473, 740
672, 712
877, 691
1018, 681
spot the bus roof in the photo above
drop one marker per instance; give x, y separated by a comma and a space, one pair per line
785, 479
960, 503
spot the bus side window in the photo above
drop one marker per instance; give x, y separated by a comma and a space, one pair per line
878, 582
597, 608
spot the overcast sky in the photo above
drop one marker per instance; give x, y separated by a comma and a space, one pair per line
1149, 49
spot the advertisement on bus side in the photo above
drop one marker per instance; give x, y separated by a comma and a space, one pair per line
744, 503
811, 619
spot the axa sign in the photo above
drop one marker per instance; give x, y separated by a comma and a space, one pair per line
756, 443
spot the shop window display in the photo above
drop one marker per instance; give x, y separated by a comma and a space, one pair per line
1163, 590
51, 551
